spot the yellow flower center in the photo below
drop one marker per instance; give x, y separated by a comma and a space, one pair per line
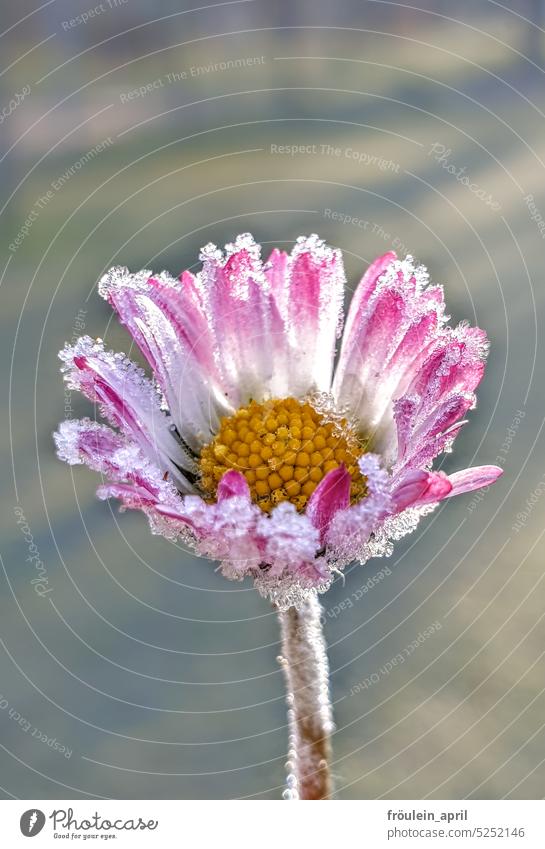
284, 448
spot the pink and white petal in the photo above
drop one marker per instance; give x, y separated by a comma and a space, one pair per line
194, 402
239, 306
421, 430
308, 288
167, 319
419, 487
351, 357
350, 529
361, 297
427, 450
85, 441
331, 494
440, 392
393, 319
275, 270
122, 462
477, 477
456, 364
129, 401
356, 379
411, 351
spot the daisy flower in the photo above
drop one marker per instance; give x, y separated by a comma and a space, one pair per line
246, 442
251, 446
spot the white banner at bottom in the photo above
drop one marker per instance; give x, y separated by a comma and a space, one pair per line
368, 824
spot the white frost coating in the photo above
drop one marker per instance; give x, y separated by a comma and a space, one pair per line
289, 590
238, 305
289, 538
165, 317
306, 668
244, 242
68, 441
315, 278
123, 462
211, 253
128, 400
370, 375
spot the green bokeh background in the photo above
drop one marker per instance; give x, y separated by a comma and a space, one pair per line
158, 675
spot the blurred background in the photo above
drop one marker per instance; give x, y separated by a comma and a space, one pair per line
133, 134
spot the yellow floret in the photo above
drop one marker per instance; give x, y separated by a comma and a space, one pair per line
284, 448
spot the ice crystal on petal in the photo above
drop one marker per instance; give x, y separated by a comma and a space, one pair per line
85, 441
330, 261
244, 242
381, 542
351, 528
210, 253
290, 541
128, 400
97, 446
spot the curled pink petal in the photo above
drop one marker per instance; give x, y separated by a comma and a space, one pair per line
467, 480
132, 477
350, 529
331, 494
84, 441
233, 484
420, 487
428, 416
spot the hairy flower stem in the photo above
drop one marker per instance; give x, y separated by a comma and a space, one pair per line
304, 660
